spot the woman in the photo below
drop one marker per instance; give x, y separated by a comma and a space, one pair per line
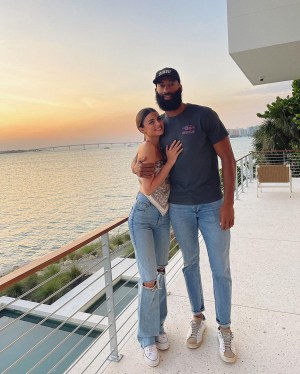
149, 227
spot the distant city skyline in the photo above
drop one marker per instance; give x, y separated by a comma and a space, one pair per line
243, 131
79, 71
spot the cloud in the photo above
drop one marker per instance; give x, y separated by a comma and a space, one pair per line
89, 102
31, 100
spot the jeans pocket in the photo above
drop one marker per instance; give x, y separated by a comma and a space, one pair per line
142, 206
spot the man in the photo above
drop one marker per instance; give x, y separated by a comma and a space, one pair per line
196, 202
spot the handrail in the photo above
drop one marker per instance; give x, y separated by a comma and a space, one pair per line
264, 152
278, 150
52, 257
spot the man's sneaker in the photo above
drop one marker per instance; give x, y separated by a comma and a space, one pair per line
196, 330
162, 342
226, 346
151, 355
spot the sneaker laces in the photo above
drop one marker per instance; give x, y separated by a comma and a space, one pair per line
151, 348
163, 337
227, 337
194, 328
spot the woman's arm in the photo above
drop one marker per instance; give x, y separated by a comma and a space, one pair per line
149, 185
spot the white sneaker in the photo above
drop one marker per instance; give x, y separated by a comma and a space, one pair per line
162, 342
195, 333
226, 346
151, 355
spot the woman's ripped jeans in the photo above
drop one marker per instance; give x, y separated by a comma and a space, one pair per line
150, 236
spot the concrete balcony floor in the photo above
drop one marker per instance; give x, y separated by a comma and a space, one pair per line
265, 264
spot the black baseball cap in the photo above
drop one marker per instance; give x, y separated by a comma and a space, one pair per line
166, 72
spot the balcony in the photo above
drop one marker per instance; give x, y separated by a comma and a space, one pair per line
265, 312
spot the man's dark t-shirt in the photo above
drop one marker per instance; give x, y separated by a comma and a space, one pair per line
195, 176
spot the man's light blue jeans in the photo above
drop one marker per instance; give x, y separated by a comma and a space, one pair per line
150, 236
186, 220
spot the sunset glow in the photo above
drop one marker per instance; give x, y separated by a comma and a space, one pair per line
78, 71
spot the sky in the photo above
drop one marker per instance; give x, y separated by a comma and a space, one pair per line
78, 71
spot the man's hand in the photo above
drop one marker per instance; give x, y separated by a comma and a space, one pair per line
142, 169
226, 216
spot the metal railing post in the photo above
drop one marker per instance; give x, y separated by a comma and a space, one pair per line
236, 182
251, 167
247, 170
242, 174
114, 356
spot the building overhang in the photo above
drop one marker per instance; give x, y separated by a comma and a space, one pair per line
264, 39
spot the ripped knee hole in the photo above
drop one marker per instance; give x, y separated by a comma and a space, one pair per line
161, 270
151, 284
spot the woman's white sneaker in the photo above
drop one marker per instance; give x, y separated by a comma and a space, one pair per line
151, 355
162, 342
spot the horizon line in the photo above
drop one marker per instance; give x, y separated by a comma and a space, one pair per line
91, 144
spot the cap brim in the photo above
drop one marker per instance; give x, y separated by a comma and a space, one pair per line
156, 80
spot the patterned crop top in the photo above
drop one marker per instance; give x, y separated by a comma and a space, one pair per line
159, 198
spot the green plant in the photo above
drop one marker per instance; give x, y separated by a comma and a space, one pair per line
280, 129
174, 246
49, 287
90, 249
118, 240
49, 271
14, 291
126, 237
56, 284
74, 272
128, 251
32, 281
173, 250
46, 290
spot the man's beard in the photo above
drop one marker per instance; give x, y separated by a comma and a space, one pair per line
172, 104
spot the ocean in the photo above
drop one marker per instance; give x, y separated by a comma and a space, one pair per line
49, 198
